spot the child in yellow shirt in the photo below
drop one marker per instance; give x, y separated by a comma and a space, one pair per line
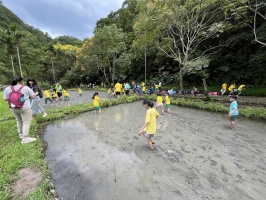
65, 94
96, 104
54, 95
149, 127
79, 91
159, 102
167, 103
47, 96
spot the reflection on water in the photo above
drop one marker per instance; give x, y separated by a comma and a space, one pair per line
117, 117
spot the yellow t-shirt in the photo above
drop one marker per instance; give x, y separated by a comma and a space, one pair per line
96, 101
47, 94
142, 84
231, 88
79, 90
109, 91
151, 116
224, 86
241, 87
167, 99
143, 88
65, 93
118, 87
159, 99
54, 95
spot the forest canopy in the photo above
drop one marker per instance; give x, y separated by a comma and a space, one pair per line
145, 40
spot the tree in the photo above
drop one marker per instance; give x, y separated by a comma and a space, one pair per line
181, 29
198, 67
259, 9
7, 39
105, 51
16, 37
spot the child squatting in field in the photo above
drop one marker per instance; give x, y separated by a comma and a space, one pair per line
149, 127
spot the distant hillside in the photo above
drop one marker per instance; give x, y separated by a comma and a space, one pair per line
7, 17
35, 50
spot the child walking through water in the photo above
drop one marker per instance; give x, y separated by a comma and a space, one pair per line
233, 112
96, 104
149, 127
159, 102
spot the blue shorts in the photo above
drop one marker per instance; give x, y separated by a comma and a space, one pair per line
148, 135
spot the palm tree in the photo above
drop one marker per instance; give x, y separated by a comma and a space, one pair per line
16, 36
7, 39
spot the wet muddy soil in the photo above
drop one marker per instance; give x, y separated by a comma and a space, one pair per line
196, 156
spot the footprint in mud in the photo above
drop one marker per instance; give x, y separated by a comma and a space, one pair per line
212, 179
135, 137
224, 170
204, 148
213, 163
239, 179
238, 166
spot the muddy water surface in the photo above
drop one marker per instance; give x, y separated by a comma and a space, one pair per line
196, 156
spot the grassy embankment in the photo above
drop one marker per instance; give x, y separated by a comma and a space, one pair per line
14, 155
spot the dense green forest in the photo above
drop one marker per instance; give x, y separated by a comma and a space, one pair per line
179, 42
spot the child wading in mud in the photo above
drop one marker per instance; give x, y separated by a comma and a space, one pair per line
96, 104
149, 127
233, 112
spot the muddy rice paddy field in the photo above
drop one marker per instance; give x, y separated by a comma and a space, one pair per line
196, 156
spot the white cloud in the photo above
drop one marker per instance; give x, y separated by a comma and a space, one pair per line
63, 17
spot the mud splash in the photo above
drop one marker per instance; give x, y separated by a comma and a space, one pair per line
196, 156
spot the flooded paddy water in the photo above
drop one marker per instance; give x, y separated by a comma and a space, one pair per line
196, 156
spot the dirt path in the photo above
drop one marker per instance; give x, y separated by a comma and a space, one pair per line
196, 156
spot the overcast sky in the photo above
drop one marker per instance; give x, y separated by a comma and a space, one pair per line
75, 18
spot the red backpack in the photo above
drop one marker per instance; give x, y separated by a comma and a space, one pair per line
16, 98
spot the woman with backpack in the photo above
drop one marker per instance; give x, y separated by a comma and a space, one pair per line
36, 102
18, 97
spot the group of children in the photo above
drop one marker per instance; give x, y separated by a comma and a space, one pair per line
56, 95
232, 89
149, 127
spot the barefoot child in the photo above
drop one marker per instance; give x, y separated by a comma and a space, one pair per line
167, 103
54, 95
96, 104
159, 102
149, 127
79, 91
47, 96
65, 94
233, 112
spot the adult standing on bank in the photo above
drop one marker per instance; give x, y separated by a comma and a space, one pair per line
36, 102
59, 90
23, 114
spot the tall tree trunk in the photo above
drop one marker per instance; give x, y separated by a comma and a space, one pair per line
205, 86
19, 62
145, 64
53, 71
105, 76
113, 70
181, 80
12, 63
